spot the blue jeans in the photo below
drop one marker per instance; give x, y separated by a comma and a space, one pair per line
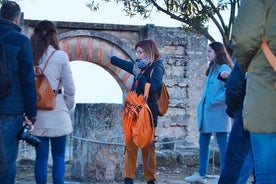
247, 169
204, 150
10, 127
264, 153
238, 160
58, 145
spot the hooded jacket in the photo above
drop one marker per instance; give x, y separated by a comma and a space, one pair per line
57, 122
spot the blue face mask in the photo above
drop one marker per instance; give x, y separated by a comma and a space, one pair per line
143, 63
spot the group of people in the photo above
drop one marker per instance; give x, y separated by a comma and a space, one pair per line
247, 95
52, 127
243, 91
19, 106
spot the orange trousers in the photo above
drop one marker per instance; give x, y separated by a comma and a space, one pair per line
131, 159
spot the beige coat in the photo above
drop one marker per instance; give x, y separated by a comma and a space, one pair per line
57, 122
256, 20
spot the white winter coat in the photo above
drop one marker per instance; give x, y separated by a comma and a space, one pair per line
57, 122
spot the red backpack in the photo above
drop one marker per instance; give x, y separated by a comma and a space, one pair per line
137, 119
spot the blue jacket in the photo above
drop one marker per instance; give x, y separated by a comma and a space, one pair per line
211, 108
22, 97
155, 79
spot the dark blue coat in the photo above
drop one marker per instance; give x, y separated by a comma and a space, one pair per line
22, 97
155, 79
235, 92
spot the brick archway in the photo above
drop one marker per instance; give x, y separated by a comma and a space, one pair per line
93, 47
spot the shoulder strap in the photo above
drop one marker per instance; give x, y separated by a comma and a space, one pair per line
151, 72
157, 94
268, 54
56, 91
48, 60
146, 91
264, 46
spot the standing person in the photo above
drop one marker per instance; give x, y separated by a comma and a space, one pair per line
52, 126
212, 118
148, 68
255, 21
238, 164
20, 104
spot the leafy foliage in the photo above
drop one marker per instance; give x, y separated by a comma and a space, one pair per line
193, 14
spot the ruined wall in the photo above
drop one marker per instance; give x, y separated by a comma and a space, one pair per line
185, 64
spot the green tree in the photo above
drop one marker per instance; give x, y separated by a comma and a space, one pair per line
195, 15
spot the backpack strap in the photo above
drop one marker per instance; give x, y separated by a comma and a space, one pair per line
48, 60
57, 90
146, 91
268, 54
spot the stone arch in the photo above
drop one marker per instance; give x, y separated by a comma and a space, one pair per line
92, 46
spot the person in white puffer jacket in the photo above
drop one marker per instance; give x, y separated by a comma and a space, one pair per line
52, 126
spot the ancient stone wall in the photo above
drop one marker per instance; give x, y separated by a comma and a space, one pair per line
185, 63
98, 146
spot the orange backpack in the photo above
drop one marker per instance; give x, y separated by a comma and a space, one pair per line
137, 119
163, 99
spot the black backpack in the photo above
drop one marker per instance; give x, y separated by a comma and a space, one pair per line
5, 81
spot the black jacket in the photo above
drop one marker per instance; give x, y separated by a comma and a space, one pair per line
235, 92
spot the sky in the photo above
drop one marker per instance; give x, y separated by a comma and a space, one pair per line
76, 11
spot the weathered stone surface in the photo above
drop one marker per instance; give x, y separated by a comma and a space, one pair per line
185, 63
184, 60
98, 142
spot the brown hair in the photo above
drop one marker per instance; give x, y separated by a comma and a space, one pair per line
150, 48
44, 34
222, 57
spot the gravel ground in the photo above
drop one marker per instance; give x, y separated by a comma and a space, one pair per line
165, 175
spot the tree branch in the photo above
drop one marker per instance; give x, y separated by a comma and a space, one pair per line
173, 16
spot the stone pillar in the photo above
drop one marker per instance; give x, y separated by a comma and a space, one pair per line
98, 143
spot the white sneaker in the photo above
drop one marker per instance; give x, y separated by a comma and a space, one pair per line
195, 178
216, 181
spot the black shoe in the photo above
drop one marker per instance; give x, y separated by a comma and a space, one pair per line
150, 182
128, 181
